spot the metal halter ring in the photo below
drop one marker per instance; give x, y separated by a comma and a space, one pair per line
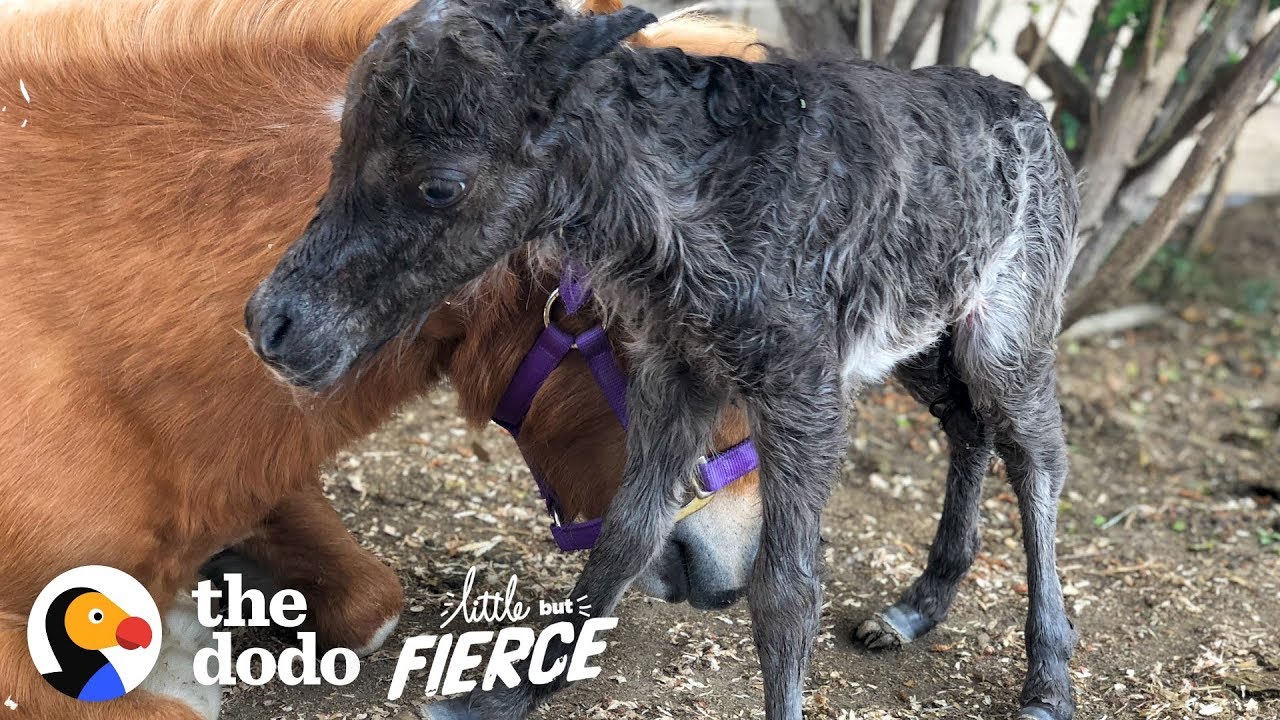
701, 496
546, 309
695, 481
551, 304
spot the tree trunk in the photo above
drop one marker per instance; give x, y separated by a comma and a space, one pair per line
881, 18
1124, 120
911, 37
958, 25
820, 24
1136, 249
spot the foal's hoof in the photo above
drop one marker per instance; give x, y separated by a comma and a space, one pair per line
876, 634
455, 709
1041, 712
892, 629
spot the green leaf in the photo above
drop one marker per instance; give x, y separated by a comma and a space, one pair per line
1127, 12
1070, 131
1179, 525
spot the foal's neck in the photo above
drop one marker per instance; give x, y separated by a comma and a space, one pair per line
654, 132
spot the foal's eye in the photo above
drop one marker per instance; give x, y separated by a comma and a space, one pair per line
443, 189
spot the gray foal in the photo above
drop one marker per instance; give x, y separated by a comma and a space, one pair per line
778, 234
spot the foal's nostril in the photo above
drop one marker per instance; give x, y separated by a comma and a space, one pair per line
273, 333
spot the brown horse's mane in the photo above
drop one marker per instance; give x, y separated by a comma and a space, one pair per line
112, 42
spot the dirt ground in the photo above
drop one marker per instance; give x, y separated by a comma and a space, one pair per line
1169, 542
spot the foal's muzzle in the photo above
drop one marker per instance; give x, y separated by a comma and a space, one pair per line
288, 333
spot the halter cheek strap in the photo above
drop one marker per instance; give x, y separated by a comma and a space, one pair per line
549, 350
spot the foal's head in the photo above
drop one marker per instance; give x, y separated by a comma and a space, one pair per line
441, 172
437, 138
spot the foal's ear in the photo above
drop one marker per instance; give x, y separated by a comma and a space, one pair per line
585, 38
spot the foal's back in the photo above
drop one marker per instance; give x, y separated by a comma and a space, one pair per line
887, 205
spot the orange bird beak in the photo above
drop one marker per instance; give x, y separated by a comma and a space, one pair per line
133, 633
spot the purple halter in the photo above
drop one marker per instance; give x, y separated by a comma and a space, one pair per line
550, 349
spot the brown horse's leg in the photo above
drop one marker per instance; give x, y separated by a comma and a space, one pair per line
353, 599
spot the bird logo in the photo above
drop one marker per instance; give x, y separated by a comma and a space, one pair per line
94, 633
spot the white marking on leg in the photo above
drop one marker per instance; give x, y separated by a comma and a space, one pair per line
173, 675
379, 637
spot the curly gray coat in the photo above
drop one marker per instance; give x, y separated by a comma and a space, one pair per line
777, 234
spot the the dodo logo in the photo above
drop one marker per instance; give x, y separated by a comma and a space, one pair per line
94, 633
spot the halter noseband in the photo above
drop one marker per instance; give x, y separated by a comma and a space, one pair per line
549, 350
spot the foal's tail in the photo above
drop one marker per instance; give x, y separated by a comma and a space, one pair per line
1014, 317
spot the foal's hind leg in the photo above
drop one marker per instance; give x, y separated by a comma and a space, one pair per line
1016, 388
801, 437
932, 379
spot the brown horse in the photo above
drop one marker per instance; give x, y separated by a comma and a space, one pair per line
156, 158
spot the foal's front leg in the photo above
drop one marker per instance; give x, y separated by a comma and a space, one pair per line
800, 433
672, 417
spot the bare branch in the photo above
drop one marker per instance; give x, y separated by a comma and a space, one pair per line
1208, 222
1097, 44
1113, 321
864, 28
1037, 55
1153, 36
1069, 91
1133, 253
983, 31
1266, 100
1210, 74
1158, 147
911, 37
